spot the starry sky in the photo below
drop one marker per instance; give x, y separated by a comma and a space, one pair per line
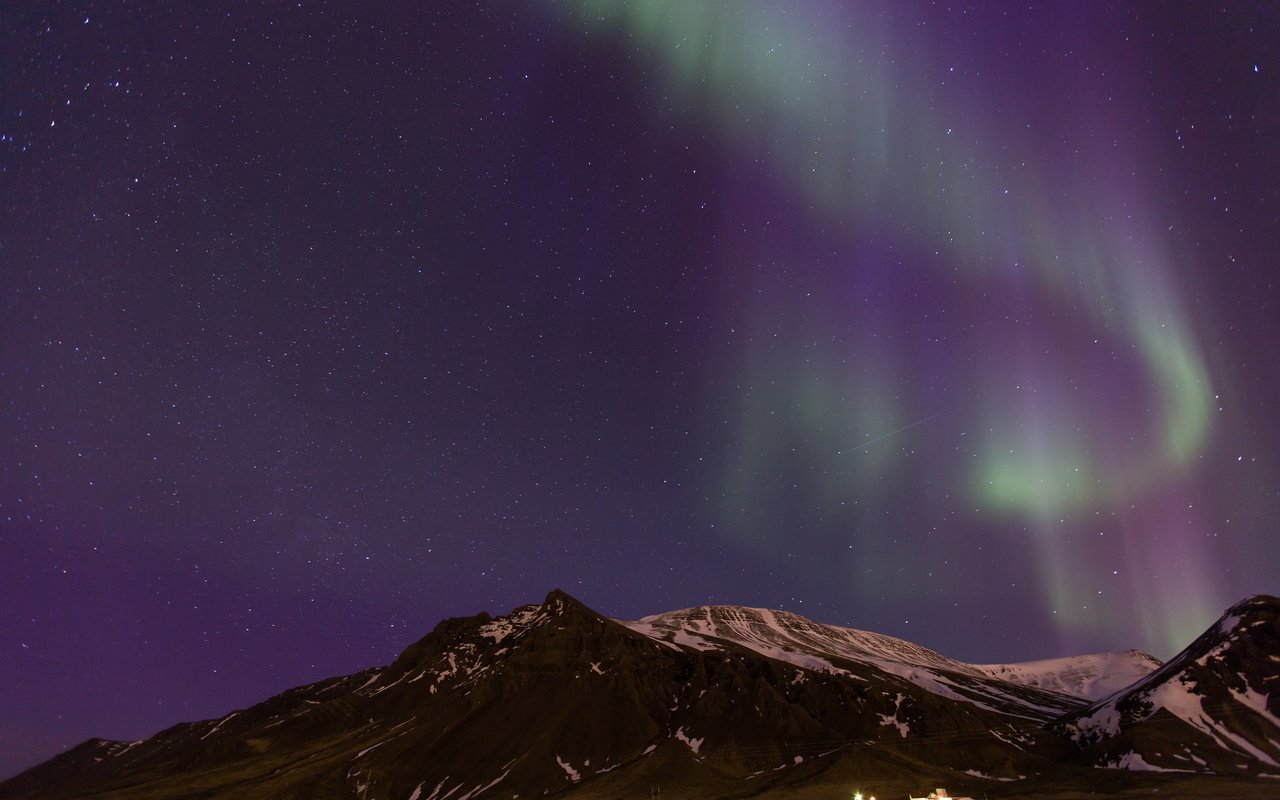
955, 321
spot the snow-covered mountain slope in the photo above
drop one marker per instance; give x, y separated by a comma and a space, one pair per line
1090, 677
810, 645
1214, 707
786, 637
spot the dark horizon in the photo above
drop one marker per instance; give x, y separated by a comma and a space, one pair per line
324, 323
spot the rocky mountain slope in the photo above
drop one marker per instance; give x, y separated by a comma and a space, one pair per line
708, 702
1213, 707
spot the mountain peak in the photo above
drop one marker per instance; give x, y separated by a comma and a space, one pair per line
558, 600
1258, 603
1219, 699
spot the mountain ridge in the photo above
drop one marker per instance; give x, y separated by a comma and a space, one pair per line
1088, 677
719, 701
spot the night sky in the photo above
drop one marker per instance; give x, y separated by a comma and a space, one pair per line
321, 323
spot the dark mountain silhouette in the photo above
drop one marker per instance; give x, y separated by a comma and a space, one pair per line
712, 702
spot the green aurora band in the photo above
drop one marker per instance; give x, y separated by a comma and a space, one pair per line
858, 134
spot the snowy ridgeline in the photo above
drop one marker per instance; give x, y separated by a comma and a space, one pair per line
809, 645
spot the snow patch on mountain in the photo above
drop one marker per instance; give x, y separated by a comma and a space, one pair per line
694, 744
1090, 677
783, 636
892, 719
435, 793
517, 622
573, 775
1134, 762
1251, 699
673, 638
1103, 722
1177, 698
984, 776
480, 789
221, 722
819, 648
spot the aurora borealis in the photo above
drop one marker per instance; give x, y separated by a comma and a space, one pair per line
322, 323
860, 134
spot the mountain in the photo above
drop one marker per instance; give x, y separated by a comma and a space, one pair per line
555, 699
1213, 707
792, 639
1090, 677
